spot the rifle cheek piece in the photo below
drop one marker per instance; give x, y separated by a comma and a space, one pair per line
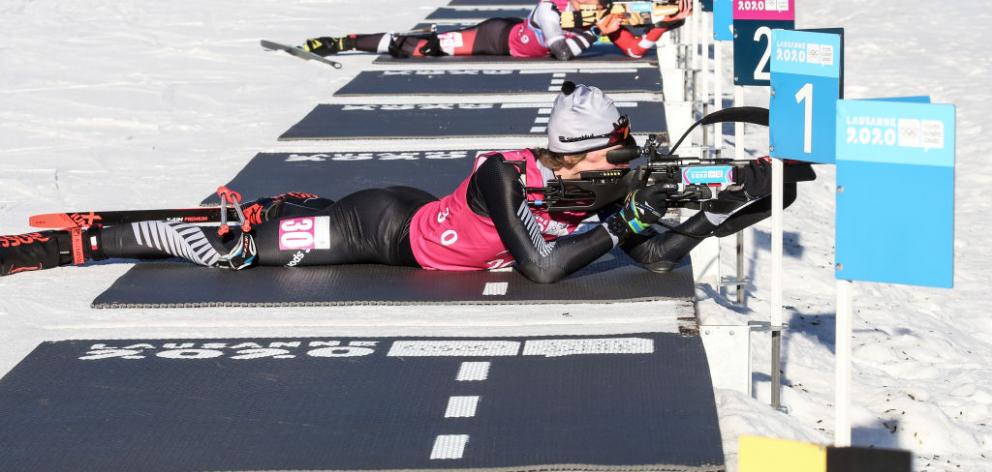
623, 155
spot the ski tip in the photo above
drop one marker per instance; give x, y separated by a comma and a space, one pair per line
268, 45
52, 221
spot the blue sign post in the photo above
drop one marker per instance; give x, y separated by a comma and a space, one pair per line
895, 192
805, 77
895, 210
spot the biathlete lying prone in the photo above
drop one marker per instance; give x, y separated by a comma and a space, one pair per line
538, 35
490, 221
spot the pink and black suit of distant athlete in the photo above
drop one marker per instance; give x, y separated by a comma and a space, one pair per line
538, 35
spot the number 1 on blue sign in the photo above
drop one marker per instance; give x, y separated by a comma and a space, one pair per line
805, 94
805, 78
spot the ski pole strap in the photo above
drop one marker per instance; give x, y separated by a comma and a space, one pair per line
78, 257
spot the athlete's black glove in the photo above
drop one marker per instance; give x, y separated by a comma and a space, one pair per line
642, 208
755, 178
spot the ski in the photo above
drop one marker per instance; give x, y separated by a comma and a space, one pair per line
200, 215
298, 52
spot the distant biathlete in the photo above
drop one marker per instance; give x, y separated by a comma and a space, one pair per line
538, 35
490, 221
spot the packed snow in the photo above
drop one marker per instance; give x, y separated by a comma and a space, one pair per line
134, 104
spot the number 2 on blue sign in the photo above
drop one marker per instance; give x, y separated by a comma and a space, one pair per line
759, 72
805, 94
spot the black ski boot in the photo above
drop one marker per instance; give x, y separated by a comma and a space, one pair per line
662, 253
48, 249
327, 46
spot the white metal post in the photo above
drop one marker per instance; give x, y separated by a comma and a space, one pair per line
704, 74
739, 153
738, 127
696, 19
718, 92
778, 173
842, 371
690, 27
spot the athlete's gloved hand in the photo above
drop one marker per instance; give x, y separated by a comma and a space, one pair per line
609, 24
671, 22
644, 207
685, 9
755, 178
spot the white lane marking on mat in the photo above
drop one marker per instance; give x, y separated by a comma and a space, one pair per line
461, 407
557, 81
542, 119
548, 71
558, 75
554, 89
538, 129
454, 348
608, 71
544, 111
571, 347
473, 372
495, 288
449, 446
525, 105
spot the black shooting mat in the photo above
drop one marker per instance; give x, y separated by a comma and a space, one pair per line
635, 402
440, 120
498, 81
612, 278
596, 54
477, 14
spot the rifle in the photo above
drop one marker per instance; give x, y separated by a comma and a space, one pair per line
691, 182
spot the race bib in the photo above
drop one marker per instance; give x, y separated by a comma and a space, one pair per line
311, 232
450, 41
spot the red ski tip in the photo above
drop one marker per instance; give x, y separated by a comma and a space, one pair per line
63, 220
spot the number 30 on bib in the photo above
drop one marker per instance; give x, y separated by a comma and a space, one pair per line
312, 232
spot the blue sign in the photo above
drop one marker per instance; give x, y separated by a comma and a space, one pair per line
752, 50
895, 192
723, 20
805, 78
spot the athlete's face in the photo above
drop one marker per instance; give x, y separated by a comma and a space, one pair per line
595, 160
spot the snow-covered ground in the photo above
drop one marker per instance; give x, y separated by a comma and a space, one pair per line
124, 104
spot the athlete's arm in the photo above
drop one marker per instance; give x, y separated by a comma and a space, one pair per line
633, 45
548, 20
496, 187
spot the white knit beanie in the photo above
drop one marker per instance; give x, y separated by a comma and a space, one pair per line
581, 118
